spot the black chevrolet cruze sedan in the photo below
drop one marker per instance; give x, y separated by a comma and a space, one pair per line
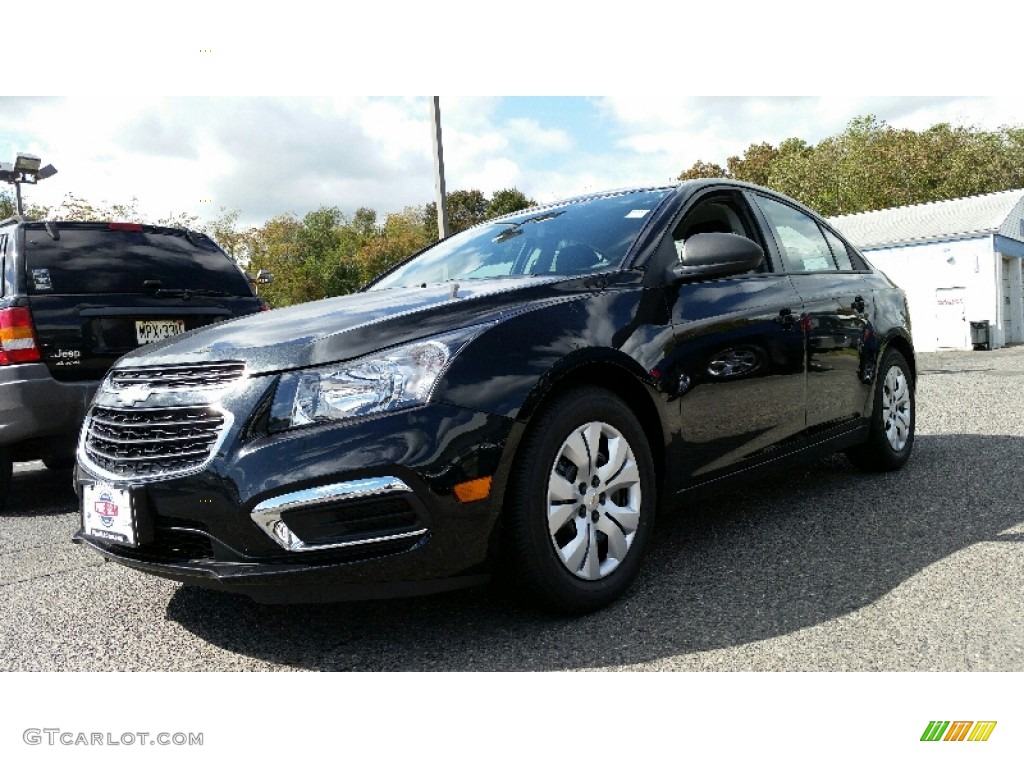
519, 398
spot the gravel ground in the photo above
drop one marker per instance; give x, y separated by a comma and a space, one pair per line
822, 569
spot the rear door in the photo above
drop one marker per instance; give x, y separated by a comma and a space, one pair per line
97, 291
838, 305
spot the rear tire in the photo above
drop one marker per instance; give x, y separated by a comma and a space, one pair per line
6, 470
891, 437
582, 501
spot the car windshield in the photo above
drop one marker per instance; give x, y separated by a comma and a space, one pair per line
578, 238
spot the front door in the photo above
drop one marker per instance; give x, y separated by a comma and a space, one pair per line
736, 359
951, 328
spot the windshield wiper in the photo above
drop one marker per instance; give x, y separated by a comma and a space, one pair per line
514, 228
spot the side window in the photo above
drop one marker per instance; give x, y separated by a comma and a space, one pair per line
803, 247
719, 213
839, 251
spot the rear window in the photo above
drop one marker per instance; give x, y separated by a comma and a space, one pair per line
101, 260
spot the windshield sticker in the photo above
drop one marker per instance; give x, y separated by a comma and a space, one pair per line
637, 214
41, 280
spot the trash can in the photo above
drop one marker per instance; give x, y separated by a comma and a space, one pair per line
979, 334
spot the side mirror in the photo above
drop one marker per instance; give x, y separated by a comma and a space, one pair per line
715, 254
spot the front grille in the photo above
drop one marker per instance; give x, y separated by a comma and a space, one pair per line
178, 376
151, 442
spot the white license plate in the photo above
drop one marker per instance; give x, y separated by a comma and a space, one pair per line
154, 330
107, 514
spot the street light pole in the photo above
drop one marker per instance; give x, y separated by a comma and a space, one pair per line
25, 170
439, 191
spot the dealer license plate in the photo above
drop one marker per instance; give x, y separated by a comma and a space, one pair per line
154, 330
107, 514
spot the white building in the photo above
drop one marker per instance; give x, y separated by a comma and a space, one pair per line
958, 261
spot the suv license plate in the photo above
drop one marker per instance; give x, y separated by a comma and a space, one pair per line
107, 513
154, 330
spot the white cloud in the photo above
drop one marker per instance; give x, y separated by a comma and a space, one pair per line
530, 133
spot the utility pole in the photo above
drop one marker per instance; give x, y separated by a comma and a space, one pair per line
441, 197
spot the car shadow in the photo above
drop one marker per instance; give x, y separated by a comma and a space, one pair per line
37, 492
756, 562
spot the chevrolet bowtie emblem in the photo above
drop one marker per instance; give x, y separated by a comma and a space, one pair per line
132, 395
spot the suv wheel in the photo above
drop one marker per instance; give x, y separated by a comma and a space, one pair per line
582, 502
6, 470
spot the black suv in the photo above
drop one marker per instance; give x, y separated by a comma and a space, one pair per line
519, 396
75, 297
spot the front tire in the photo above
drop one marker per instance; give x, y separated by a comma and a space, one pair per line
891, 437
582, 500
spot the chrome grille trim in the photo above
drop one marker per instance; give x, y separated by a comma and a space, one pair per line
134, 444
267, 514
180, 376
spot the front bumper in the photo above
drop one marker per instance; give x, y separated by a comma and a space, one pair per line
356, 510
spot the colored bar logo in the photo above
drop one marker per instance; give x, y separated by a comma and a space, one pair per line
958, 730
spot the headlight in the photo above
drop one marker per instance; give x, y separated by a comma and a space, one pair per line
395, 378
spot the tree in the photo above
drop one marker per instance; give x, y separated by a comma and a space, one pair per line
273, 246
74, 208
402, 235
225, 232
702, 170
506, 201
7, 206
872, 165
466, 208
756, 164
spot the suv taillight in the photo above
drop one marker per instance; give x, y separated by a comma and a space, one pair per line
17, 337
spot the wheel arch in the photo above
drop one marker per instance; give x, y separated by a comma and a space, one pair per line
905, 348
620, 381
608, 374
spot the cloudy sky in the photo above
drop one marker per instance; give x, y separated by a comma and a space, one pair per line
174, 111
265, 156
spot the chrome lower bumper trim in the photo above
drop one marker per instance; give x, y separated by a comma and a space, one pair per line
267, 514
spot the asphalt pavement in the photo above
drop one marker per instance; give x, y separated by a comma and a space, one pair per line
820, 568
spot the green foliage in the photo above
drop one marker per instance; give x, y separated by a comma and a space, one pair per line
871, 165
702, 170
506, 201
74, 208
7, 205
469, 207
402, 235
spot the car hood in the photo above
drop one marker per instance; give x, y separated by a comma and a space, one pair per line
346, 327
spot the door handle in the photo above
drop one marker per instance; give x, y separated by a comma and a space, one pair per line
858, 304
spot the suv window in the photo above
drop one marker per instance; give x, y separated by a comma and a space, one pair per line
801, 243
102, 260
